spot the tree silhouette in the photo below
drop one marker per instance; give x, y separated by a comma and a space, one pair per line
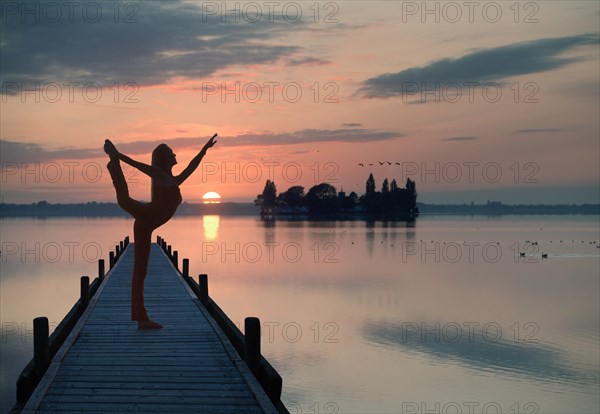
385, 187
348, 202
391, 199
321, 197
411, 189
370, 187
293, 197
268, 199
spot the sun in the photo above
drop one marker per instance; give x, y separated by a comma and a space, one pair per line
211, 198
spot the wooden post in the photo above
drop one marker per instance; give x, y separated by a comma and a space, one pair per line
41, 346
85, 291
101, 269
126, 241
121, 245
117, 252
203, 283
186, 268
169, 251
111, 259
175, 259
252, 343
158, 240
164, 245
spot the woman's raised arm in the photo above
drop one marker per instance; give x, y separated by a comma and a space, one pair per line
195, 161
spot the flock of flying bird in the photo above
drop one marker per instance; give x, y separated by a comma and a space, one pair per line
380, 163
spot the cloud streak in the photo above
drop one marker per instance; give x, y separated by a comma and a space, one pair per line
460, 139
12, 152
21, 152
536, 130
487, 65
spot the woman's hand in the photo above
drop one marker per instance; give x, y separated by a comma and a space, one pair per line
111, 150
195, 162
211, 142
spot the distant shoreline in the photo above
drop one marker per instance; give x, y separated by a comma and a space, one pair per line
95, 209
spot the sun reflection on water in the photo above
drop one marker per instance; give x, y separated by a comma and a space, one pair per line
210, 224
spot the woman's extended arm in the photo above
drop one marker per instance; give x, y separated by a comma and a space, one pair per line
112, 151
145, 168
195, 161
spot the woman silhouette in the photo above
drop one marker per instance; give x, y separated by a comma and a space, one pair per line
166, 197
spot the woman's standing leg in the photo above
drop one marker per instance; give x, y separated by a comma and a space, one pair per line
142, 245
142, 233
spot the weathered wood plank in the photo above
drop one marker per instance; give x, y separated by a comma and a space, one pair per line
91, 393
149, 382
153, 397
133, 370
112, 408
215, 375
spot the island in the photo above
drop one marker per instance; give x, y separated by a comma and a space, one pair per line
323, 200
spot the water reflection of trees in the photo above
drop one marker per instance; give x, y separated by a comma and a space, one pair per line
388, 233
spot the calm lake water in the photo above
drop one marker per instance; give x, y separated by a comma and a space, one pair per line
440, 316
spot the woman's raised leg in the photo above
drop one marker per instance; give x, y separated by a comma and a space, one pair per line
135, 208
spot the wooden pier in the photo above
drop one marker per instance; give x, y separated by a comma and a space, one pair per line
97, 361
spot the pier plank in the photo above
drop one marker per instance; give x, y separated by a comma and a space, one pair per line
109, 366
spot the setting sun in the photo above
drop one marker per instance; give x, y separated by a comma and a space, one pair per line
211, 198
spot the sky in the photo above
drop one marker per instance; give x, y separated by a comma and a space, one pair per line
475, 101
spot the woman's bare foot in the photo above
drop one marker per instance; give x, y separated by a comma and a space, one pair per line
111, 150
148, 324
